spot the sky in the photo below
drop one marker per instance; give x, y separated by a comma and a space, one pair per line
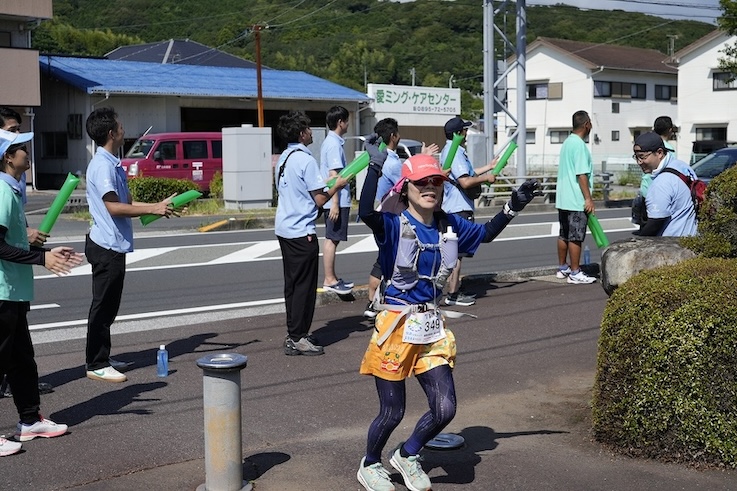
700, 10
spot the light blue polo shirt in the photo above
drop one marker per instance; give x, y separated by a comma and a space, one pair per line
105, 174
296, 211
668, 196
391, 173
454, 200
16, 280
575, 160
332, 157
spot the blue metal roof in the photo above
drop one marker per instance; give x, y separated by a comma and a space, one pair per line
98, 76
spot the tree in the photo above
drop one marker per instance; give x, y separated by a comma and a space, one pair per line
728, 22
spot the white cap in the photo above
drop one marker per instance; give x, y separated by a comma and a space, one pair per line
163, 346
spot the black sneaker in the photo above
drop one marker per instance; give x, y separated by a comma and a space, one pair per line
370, 312
301, 347
459, 298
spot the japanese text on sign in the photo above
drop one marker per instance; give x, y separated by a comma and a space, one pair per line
409, 99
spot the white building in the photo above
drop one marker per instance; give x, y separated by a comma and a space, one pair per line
706, 114
622, 88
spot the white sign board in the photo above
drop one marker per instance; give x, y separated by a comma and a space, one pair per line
415, 100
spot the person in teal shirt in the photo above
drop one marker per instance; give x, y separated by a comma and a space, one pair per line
17, 258
573, 199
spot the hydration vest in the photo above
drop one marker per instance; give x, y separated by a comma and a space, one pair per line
404, 273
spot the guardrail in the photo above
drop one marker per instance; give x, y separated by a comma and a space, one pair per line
498, 192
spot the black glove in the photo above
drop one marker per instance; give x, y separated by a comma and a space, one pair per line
524, 194
376, 156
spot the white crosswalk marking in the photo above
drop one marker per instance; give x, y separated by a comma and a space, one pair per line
249, 253
268, 250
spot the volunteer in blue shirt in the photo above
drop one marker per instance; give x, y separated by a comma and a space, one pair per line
670, 209
109, 240
456, 201
302, 191
337, 208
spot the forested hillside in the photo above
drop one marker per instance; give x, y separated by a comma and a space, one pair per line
351, 42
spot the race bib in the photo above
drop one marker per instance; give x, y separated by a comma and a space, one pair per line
423, 328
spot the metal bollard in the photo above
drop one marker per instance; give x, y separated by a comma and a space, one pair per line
221, 384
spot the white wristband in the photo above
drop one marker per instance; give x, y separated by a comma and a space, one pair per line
509, 211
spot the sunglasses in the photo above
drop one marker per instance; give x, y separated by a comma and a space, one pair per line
432, 181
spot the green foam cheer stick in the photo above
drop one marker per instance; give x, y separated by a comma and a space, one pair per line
598, 233
504, 158
177, 202
358, 164
59, 203
457, 139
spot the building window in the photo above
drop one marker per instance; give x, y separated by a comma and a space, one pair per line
544, 90
638, 91
530, 137
55, 145
559, 136
537, 91
5, 39
711, 133
621, 90
666, 92
724, 81
615, 107
615, 136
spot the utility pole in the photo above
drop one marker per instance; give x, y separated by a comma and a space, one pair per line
260, 98
672, 45
492, 79
412, 72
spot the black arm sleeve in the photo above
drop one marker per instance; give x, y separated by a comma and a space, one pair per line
366, 210
653, 227
17, 255
495, 226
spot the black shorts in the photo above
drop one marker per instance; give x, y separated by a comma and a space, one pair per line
572, 225
337, 230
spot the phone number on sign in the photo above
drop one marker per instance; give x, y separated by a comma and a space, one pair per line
432, 109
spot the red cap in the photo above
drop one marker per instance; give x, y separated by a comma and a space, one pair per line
420, 166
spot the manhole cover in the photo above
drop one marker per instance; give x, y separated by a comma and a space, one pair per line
445, 441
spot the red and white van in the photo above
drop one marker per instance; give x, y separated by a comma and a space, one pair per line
194, 156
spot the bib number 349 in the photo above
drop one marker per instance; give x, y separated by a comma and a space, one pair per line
424, 328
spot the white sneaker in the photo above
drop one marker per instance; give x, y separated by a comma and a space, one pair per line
107, 374
374, 477
44, 428
562, 274
8, 447
580, 278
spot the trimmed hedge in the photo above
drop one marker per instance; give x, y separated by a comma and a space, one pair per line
155, 189
666, 382
717, 218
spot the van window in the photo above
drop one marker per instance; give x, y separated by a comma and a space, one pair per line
168, 150
196, 149
140, 149
217, 149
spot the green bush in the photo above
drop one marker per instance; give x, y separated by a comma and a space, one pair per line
666, 382
717, 218
216, 185
155, 189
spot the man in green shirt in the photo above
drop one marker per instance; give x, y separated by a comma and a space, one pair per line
573, 200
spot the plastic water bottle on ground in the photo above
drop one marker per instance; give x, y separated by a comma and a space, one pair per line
162, 362
586, 255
